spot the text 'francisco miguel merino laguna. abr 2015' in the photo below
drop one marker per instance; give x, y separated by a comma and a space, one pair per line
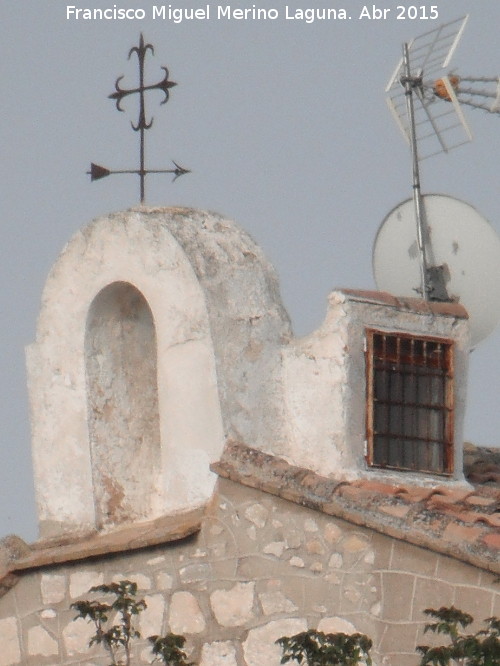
252, 13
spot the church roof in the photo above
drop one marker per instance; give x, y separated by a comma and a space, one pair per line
459, 521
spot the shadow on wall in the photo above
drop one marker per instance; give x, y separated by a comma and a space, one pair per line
122, 396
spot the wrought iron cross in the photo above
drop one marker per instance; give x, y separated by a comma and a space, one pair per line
96, 172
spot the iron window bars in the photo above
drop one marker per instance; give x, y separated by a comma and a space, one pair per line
409, 402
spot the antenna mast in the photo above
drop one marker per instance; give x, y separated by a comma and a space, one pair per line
431, 127
428, 128
409, 83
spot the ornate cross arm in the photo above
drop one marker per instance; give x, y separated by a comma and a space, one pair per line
163, 85
97, 172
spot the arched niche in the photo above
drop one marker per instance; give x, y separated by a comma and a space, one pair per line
122, 398
205, 293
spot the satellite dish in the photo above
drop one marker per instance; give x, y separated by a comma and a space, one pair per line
463, 252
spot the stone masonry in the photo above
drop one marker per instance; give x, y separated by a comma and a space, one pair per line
260, 568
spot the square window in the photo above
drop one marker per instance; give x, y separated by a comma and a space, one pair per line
409, 402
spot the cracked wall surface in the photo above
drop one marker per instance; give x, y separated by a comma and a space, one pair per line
260, 568
195, 363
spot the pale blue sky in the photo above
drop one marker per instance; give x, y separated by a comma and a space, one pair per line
285, 127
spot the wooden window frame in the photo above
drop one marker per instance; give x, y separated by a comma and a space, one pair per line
403, 437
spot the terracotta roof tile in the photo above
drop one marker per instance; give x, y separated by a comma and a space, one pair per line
481, 501
460, 522
457, 533
492, 540
491, 520
410, 304
377, 487
482, 465
395, 510
443, 495
485, 477
370, 295
414, 493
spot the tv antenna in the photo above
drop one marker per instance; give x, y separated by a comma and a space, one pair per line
426, 104
96, 171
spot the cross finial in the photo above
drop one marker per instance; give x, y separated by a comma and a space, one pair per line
96, 172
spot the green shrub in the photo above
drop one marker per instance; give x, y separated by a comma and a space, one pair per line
116, 638
479, 649
309, 648
169, 649
315, 648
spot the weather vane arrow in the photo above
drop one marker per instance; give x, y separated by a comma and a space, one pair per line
96, 171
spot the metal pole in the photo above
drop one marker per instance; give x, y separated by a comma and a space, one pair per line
142, 116
409, 83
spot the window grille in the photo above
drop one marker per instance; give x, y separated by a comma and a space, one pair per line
410, 403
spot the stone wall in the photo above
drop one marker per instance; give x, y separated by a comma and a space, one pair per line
260, 568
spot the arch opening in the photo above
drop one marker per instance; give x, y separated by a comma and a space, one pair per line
122, 398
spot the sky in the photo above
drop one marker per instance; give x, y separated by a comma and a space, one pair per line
285, 127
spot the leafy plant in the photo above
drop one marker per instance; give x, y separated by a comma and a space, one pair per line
116, 639
309, 648
169, 649
315, 648
479, 649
